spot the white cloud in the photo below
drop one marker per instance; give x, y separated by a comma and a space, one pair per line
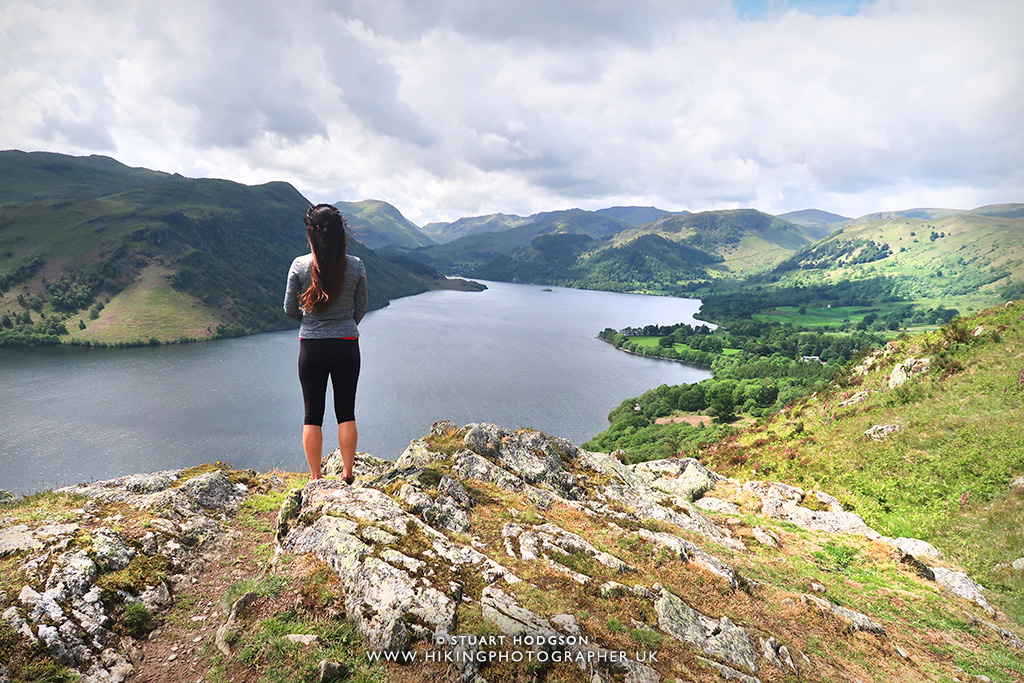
445, 109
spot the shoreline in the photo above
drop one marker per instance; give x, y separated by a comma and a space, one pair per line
703, 366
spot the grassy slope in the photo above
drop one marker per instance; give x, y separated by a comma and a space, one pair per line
945, 476
975, 245
149, 307
748, 240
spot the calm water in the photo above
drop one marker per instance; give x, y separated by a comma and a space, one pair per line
513, 355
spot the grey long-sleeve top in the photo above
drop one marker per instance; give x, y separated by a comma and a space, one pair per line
342, 315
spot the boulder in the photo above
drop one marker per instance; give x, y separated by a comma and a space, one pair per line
908, 369
111, 550
683, 477
962, 585
881, 432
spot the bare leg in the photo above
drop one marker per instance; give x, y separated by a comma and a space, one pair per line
347, 439
313, 445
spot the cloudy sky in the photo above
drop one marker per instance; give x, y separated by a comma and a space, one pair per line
449, 108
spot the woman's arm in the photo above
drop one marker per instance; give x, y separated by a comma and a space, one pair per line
291, 294
360, 296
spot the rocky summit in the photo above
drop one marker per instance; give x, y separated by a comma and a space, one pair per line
485, 554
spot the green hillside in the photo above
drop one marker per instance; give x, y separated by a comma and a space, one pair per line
812, 217
443, 233
746, 239
671, 255
975, 257
469, 252
946, 472
92, 251
635, 215
378, 224
646, 263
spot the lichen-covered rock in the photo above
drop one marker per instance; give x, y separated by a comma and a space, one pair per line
18, 537
689, 551
542, 539
733, 645
445, 513
683, 477
712, 504
909, 368
111, 550
647, 505
534, 457
469, 465
859, 622
389, 601
915, 547
680, 620
729, 673
781, 501
777, 654
454, 489
156, 598
608, 465
881, 432
765, 537
365, 466
209, 493
510, 617
393, 589
962, 585
73, 574
855, 620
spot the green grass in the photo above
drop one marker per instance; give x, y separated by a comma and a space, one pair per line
148, 308
819, 316
944, 477
653, 342
266, 587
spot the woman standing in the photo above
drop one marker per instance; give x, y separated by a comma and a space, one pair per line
327, 293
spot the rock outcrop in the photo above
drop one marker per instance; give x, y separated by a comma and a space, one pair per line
82, 576
422, 559
481, 542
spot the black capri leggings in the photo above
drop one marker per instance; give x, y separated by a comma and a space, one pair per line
334, 358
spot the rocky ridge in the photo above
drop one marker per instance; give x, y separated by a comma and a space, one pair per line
489, 554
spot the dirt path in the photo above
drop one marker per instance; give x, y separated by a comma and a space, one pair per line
181, 649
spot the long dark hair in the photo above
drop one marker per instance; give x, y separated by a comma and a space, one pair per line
325, 228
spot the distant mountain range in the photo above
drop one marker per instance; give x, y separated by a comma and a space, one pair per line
94, 251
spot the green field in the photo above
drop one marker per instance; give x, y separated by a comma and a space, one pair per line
653, 342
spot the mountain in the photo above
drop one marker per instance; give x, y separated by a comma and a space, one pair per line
499, 222
658, 256
582, 261
748, 240
922, 214
1003, 210
92, 251
635, 215
495, 222
468, 252
812, 218
378, 224
977, 254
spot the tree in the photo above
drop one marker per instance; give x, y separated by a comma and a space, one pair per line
722, 400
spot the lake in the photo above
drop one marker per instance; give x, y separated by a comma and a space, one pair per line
514, 355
